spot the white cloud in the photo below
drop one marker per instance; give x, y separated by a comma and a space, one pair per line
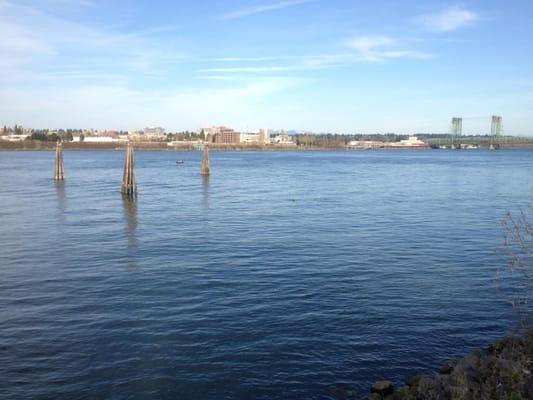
36, 43
244, 59
245, 12
274, 68
369, 43
449, 19
374, 48
116, 106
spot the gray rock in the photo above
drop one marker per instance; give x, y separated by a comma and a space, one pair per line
448, 367
383, 388
413, 380
504, 372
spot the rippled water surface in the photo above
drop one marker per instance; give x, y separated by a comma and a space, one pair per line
282, 276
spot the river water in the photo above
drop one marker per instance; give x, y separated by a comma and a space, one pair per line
284, 275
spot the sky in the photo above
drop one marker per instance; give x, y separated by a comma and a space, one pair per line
342, 66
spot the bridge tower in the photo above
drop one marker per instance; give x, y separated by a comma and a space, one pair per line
456, 131
496, 129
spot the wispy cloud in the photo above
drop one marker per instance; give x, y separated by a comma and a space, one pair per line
375, 48
243, 59
40, 46
273, 68
245, 12
357, 50
448, 19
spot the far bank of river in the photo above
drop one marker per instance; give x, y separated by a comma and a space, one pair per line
35, 145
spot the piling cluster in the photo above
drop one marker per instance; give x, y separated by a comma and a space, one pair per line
59, 174
205, 169
129, 187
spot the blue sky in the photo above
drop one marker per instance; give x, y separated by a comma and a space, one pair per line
324, 65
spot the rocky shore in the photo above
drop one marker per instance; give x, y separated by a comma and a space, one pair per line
503, 371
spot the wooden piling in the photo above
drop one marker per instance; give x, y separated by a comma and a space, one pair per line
59, 174
205, 169
129, 187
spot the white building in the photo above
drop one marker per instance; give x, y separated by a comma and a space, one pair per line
14, 138
412, 141
249, 138
100, 139
283, 138
264, 136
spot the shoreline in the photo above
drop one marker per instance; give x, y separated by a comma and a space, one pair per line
33, 145
503, 370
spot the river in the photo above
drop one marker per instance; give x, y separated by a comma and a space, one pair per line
284, 275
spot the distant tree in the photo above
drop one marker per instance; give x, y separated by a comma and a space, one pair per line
202, 135
43, 137
39, 136
82, 137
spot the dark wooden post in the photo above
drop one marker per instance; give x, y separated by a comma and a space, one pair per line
205, 169
129, 187
59, 174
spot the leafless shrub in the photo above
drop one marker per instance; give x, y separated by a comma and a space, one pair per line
517, 253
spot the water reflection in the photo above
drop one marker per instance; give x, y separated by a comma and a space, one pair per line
130, 213
205, 192
61, 200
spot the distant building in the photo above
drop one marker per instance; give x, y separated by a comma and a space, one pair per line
99, 139
14, 138
89, 132
410, 142
148, 134
264, 136
111, 134
227, 135
16, 134
413, 141
249, 137
283, 138
154, 131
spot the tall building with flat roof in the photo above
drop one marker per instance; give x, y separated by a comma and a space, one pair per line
264, 136
227, 135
